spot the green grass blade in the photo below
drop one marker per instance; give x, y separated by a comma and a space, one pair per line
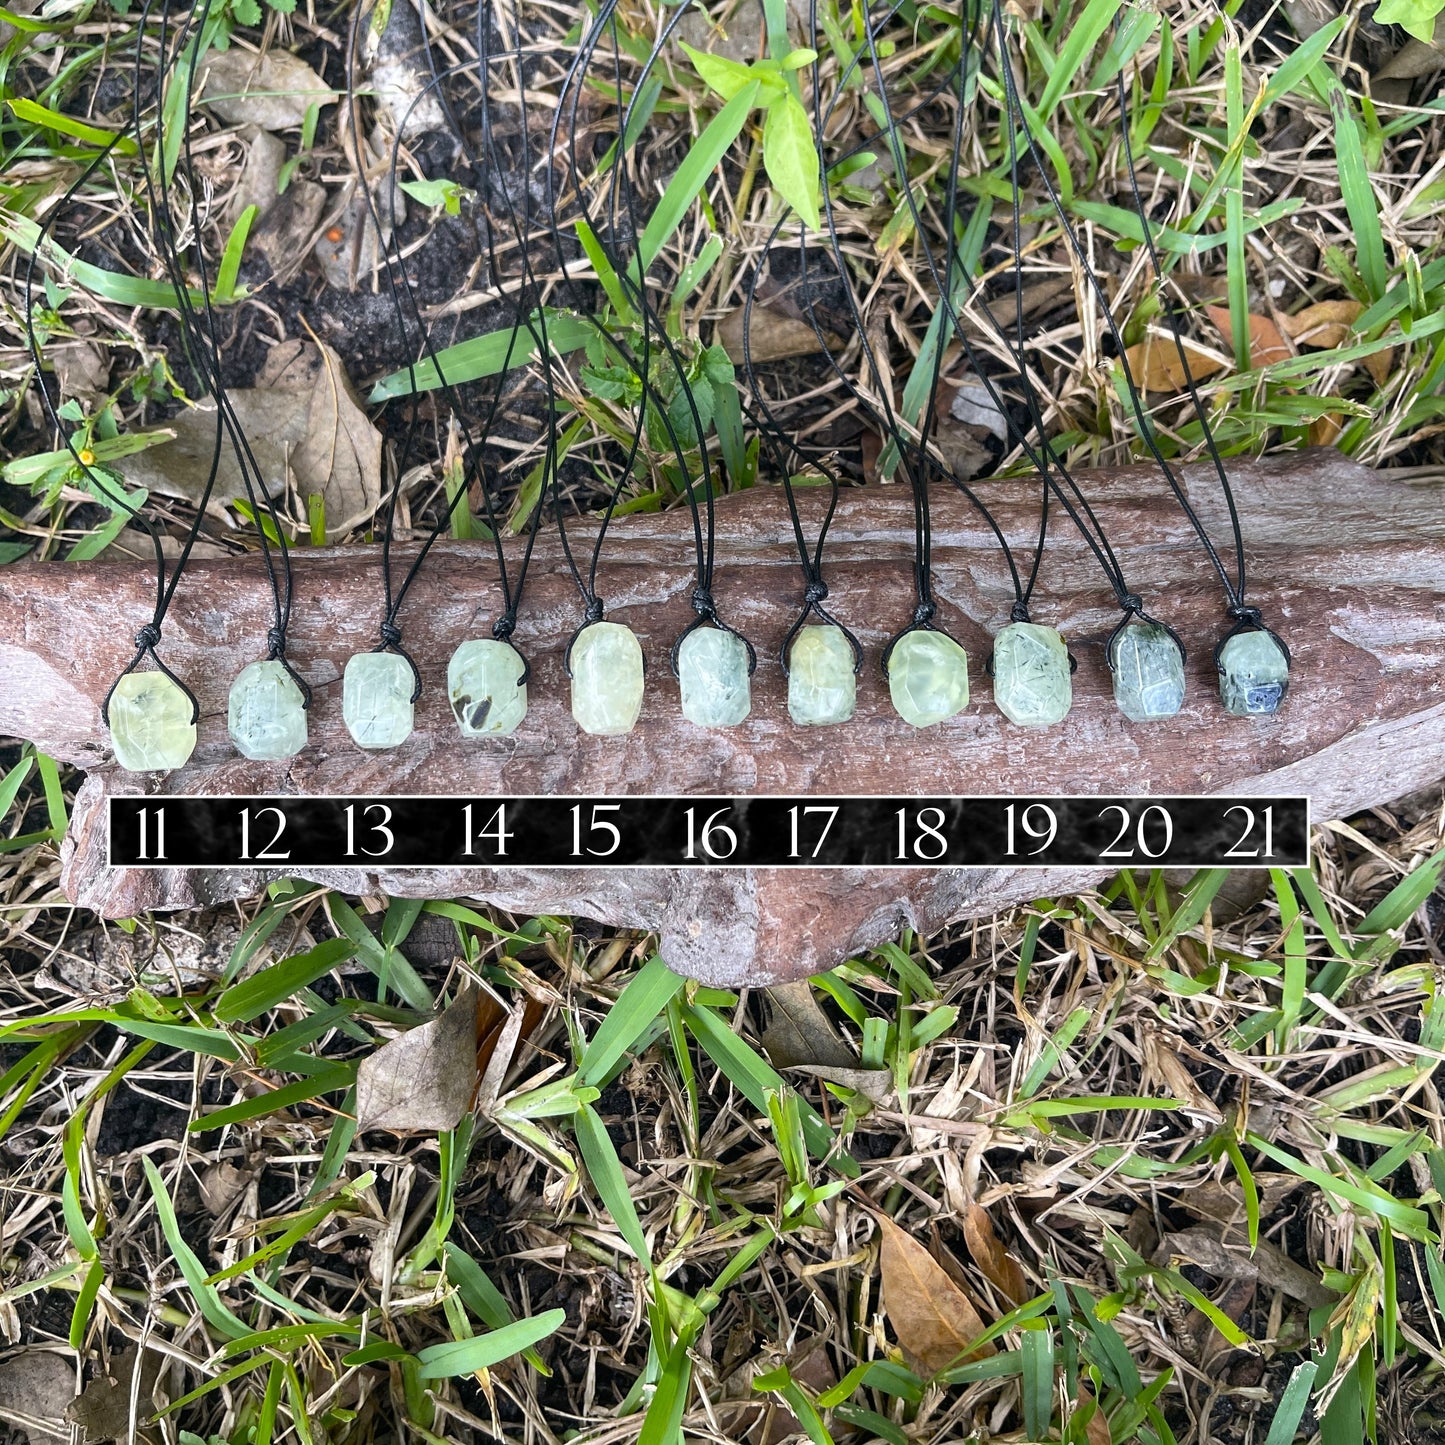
605, 1171
273, 985
1291, 1408
1361, 203
1037, 1360
644, 998
481, 1352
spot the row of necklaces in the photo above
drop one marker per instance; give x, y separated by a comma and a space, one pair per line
152, 714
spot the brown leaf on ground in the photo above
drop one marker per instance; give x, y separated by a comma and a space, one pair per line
102, 1410
991, 1257
302, 422
1324, 325
423, 1079
273, 91
1380, 364
1231, 1258
1098, 1426
772, 335
799, 1032
33, 1385
935, 1321
1324, 430
1156, 366
1266, 344
1416, 57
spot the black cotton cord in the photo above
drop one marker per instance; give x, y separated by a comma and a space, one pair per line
1244, 617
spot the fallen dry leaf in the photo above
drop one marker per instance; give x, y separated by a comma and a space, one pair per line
1155, 364
799, 1032
423, 1079
1233, 1259
1325, 429
273, 91
772, 335
935, 1321
998, 1265
302, 417
1098, 1427
34, 1383
1380, 364
1266, 344
1326, 324
102, 1410
1416, 57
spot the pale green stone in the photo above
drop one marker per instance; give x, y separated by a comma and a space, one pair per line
606, 679
927, 677
1253, 674
150, 723
1031, 676
712, 668
1148, 673
376, 699
822, 687
484, 682
266, 714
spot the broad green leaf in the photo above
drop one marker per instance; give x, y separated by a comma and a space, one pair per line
727, 77
791, 158
644, 998
264, 990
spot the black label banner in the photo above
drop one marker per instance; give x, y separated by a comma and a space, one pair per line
770, 832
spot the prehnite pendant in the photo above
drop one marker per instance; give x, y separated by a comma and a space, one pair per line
151, 726
1032, 681
822, 686
712, 671
1253, 674
266, 713
484, 683
606, 679
927, 677
1148, 672
376, 700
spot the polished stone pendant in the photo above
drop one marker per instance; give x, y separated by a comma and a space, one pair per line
151, 727
1148, 672
607, 679
712, 670
484, 682
927, 677
822, 686
1032, 679
1253, 674
266, 713
376, 700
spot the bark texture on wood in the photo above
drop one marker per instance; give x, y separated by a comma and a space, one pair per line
1348, 566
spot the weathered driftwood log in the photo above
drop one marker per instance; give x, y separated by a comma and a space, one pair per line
1348, 565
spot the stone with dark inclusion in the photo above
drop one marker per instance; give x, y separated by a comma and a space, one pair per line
151, 726
712, 671
927, 677
1148, 672
484, 683
1031, 675
376, 700
822, 686
1253, 674
266, 712
607, 679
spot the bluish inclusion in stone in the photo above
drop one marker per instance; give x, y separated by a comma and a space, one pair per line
376, 699
712, 671
266, 713
927, 677
1031, 675
484, 683
607, 679
822, 686
1253, 674
1148, 672
151, 727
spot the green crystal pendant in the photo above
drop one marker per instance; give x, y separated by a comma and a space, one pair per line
484, 682
1253, 674
1032, 681
606, 679
712, 670
266, 714
1148, 672
822, 686
927, 677
376, 700
150, 723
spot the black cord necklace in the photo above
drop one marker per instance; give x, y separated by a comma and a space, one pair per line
1252, 661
